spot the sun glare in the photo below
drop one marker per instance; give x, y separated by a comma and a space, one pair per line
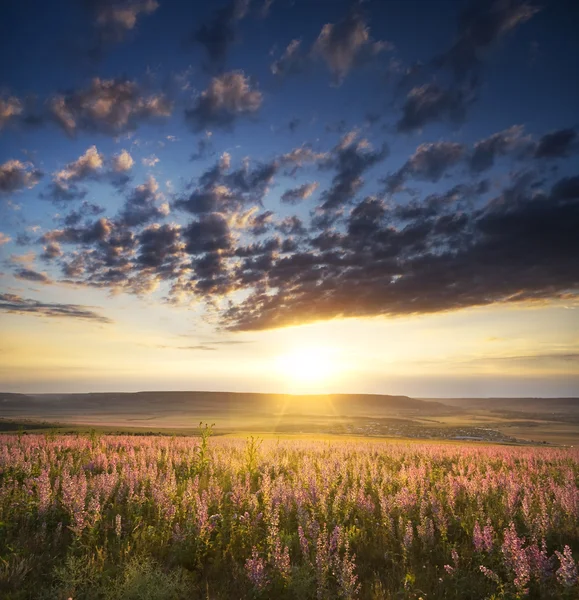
308, 366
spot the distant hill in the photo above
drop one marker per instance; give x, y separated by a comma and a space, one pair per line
526, 405
159, 405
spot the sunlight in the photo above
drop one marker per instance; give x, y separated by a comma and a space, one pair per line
308, 366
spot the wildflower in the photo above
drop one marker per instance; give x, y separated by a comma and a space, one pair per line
408, 536
255, 570
567, 572
516, 559
489, 573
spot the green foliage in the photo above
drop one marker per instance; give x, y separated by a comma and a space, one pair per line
96, 517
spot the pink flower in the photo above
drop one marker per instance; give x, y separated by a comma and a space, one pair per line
255, 570
567, 572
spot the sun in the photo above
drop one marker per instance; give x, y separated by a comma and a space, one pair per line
308, 367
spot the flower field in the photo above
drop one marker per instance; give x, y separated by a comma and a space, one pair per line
167, 518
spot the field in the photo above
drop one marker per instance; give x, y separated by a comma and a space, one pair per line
130, 517
503, 420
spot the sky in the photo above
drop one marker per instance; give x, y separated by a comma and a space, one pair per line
290, 196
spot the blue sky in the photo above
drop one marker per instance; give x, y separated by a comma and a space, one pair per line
189, 195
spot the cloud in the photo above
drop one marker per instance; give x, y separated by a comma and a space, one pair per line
12, 303
210, 233
90, 166
351, 159
345, 44
207, 346
34, 276
51, 251
123, 162
22, 259
84, 167
557, 144
227, 98
16, 175
481, 25
221, 190
10, 109
429, 103
4, 239
301, 156
64, 186
113, 20
296, 195
150, 161
498, 144
342, 46
109, 106
221, 32
292, 225
143, 205
86, 209
292, 62
428, 163
160, 245
522, 249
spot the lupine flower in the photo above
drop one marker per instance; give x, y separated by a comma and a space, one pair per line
489, 574
567, 572
255, 570
515, 558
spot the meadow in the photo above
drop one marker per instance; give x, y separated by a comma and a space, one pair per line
150, 517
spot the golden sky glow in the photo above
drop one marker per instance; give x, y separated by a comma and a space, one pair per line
514, 350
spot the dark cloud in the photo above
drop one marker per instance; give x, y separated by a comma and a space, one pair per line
87, 209
221, 32
351, 158
557, 144
109, 106
227, 98
342, 46
515, 248
291, 226
498, 144
296, 195
143, 205
204, 148
16, 175
113, 20
482, 24
441, 253
34, 276
90, 233
261, 223
51, 251
210, 233
429, 103
428, 163
12, 303
160, 246
346, 44
220, 189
